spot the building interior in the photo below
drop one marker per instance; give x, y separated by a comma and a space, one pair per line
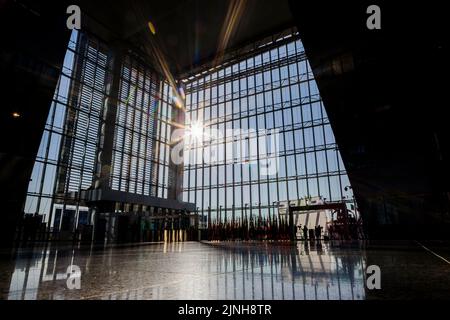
236, 149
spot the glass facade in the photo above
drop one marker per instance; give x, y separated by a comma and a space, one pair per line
55, 172
72, 146
135, 168
256, 134
263, 99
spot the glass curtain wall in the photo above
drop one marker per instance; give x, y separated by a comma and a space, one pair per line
269, 92
140, 157
67, 160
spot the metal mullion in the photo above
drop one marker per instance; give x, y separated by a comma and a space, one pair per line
87, 128
163, 148
156, 141
166, 169
87, 59
209, 164
303, 131
216, 165
89, 112
202, 151
248, 151
325, 151
264, 114
233, 177
72, 78
225, 138
64, 133
103, 94
139, 134
98, 143
270, 111
143, 136
273, 111
131, 129
146, 137
162, 151
283, 122
71, 135
158, 128
188, 151
195, 145
126, 166
46, 163
257, 146
333, 173
272, 105
293, 130
257, 135
75, 122
339, 170
313, 131
124, 107
299, 56
258, 46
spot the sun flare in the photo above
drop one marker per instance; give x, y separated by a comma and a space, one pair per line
196, 130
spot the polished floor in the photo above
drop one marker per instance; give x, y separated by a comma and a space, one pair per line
192, 270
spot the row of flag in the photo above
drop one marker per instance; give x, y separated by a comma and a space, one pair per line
249, 229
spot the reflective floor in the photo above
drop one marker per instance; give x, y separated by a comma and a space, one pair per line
193, 270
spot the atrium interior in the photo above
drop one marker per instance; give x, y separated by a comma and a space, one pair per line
219, 150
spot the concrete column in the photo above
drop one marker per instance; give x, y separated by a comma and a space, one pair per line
175, 187
104, 159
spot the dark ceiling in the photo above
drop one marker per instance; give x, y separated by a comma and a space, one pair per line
187, 31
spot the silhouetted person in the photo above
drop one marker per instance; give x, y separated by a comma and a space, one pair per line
318, 231
330, 232
299, 229
27, 227
319, 247
306, 247
305, 232
35, 226
311, 234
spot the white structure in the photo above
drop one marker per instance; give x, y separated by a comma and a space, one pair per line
310, 218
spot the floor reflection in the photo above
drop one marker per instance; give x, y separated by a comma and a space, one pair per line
189, 270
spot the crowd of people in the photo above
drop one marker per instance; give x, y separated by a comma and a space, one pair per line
31, 228
278, 230
261, 229
249, 229
311, 234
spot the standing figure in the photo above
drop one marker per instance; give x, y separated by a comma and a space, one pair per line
305, 232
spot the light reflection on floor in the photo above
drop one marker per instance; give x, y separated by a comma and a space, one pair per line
189, 270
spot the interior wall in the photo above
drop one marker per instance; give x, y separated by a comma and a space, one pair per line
33, 38
384, 93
